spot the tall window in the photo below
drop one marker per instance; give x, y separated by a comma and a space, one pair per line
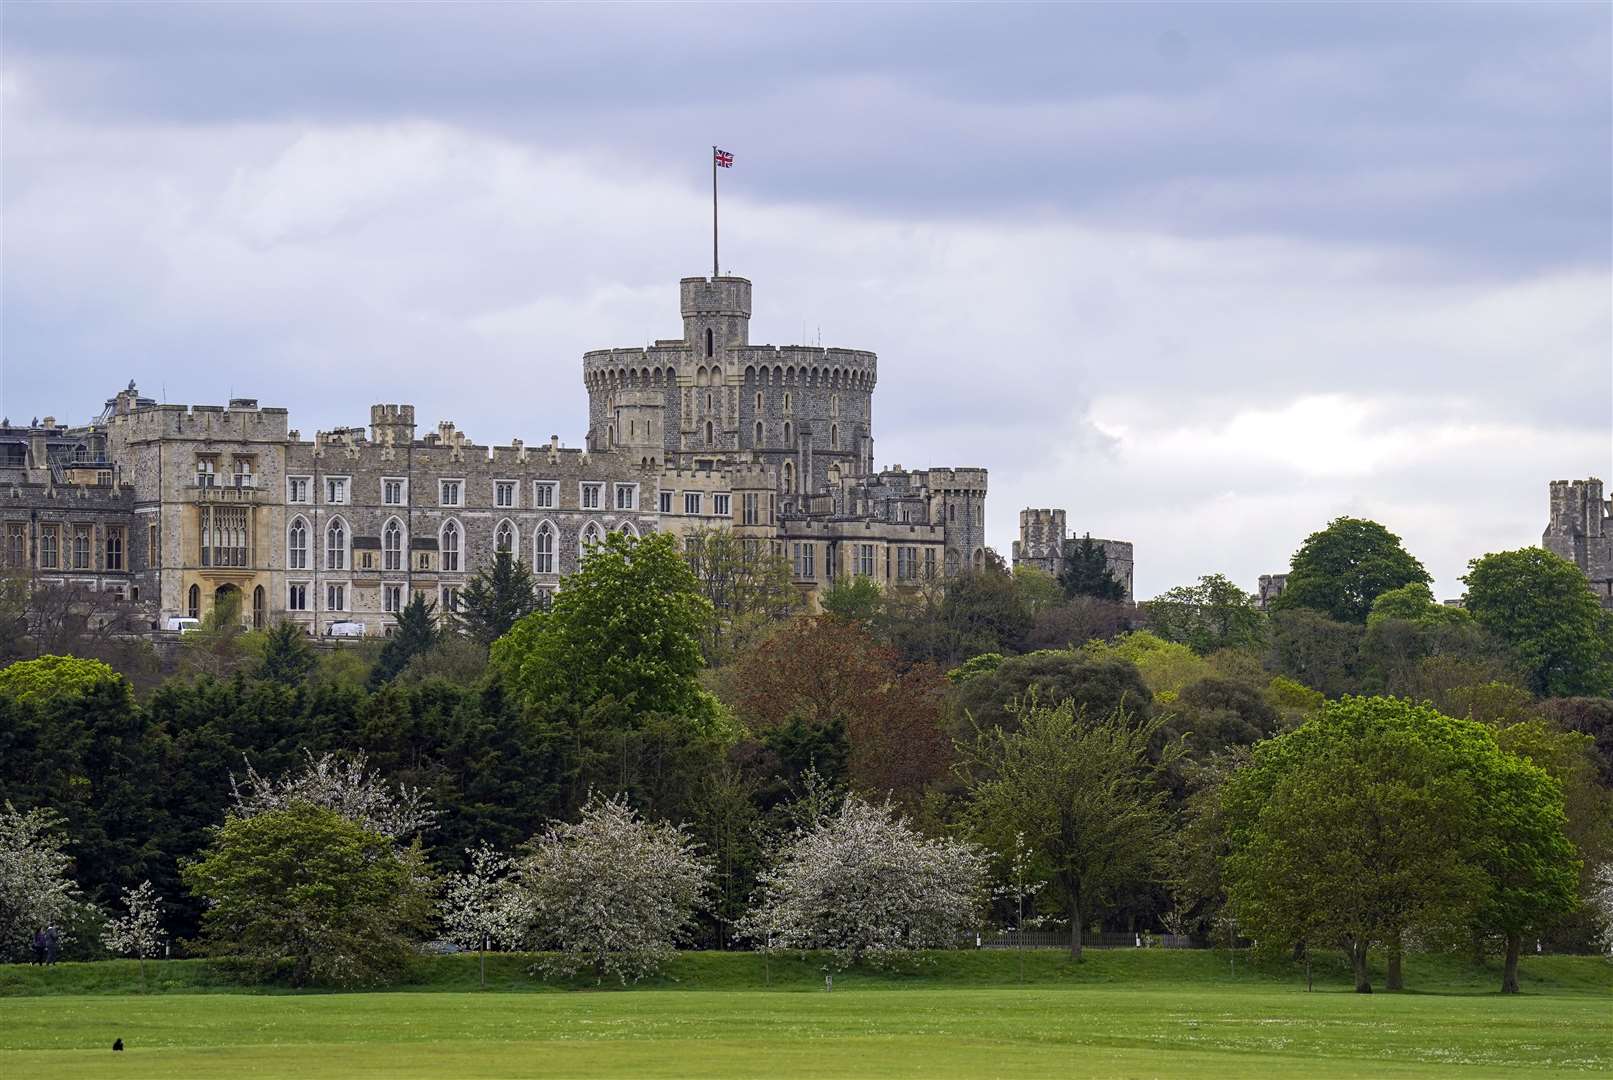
691, 502
204, 473
929, 562
710, 341
193, 607
392, 492
336, 546
297, 597
297, 545
335, 597
50, 548
591, 534
81, 547
258, 613
627, 496
392, 598
504, 538
243, 473
758, 401
336, 490
666, 502
590, 496
709, 433
749, 502
224, 536
789, 478
153, 548
543, 550
834, 436
450, 493
865, 560
114, 549
504, 493
297, 489
392, 546
719, 506
450, 598
450, 547
543, 494
758, 433
787, 432
16, 545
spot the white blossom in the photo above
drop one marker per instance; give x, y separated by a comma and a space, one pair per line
612, 893
480, 907
35, 889
139, 932
1601, 899
863, 884
342, 786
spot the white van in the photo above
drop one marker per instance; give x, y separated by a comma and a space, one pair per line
182, 624
345, 629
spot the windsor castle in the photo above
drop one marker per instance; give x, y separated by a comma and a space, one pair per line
167, 510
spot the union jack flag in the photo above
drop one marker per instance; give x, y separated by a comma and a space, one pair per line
724, 158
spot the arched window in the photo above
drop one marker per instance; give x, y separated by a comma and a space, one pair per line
786, 402
504, 537
789, 478
297, 545
392, 546
591, 535
834, 436
709, 430
336, 545
708, 402
709, 341
627, 528
257, 608
834, 404
450, 546
758, 401
193, 606
543, 549
786, 433
758, 433
952, 514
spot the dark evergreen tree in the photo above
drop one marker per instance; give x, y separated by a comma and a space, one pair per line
288, 658
497, 597
415, 633
1085, 571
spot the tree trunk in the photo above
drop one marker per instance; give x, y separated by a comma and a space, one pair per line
1358, 963
1394, 980
481, 958
1509, 972
1075, 925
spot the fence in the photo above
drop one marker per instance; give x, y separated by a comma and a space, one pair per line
1107, 939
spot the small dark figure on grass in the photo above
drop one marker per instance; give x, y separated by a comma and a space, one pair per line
117, 1044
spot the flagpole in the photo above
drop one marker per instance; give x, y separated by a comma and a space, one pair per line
714, 213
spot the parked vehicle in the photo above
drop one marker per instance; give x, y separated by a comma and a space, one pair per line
345, 629
182, 624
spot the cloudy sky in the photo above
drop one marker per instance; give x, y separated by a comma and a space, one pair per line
1206, 276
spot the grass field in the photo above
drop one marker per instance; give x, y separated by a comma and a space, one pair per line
1119, 1015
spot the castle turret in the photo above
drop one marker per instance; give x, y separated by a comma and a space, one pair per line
392, 425
716, 318
1581, 530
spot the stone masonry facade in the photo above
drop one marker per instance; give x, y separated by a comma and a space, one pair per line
173, 507
1581, 530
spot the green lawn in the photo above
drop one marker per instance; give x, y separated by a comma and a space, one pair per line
1174, 1016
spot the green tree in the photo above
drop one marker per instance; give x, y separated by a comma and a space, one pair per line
220, 645
415, 633
1341, 570
626, 628
288, 658
1038, 590
1414, 603
1214, 614
50, 678
1084, 571
1084, 794
855, 599
497, 597
1541, 605
749, 588
984, 611
1316, 651
307, 884
1098, 686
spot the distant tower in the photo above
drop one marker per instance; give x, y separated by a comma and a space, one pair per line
1581, 531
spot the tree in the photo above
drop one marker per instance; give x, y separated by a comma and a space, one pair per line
415, 633
1166, 667
1341, 570
1214, 614
49, 679
625, 631
1084, 793
344, 787
288, 658
830, 677
611, 893
748, 585
478, 907
1097, 685
1588, 716
342, 902
862, 884
855, 599
496, 598
1084, 571
138, 932
1601, 900
1377, 817
1316, 651
1541, 605
984, 611
1038, 590
36, 888
1414, 603
219, 646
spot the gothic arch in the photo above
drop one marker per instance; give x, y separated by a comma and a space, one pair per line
543, 543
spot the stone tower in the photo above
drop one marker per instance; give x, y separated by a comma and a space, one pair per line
1042, 540
1581, 531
